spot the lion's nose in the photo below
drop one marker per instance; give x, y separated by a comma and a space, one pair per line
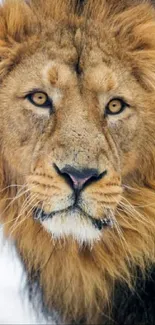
80, 177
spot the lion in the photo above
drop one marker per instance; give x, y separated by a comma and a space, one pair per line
77, 155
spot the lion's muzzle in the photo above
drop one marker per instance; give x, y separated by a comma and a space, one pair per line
74, 202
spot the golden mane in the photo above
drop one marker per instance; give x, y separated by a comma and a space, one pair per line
90, 275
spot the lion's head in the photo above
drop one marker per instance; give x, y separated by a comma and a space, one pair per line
77, 143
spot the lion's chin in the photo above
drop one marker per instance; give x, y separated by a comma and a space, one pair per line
75, 224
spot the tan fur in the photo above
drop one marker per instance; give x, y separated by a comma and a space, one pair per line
41, 43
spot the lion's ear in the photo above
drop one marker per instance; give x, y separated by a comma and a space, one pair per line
57, 10
17, 23
135, 30
16, 20
143, 54
20, 16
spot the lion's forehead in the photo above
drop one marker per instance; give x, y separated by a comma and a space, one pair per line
70, 57
54, 73
97, 78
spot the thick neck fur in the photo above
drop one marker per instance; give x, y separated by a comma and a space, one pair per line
85, 276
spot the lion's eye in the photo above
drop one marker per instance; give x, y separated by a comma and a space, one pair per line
115, 106
39, 99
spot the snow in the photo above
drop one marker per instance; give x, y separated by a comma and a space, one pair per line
14, 305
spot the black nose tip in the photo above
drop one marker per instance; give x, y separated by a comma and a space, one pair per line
80, 177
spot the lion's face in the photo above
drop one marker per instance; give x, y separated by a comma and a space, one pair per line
76, 131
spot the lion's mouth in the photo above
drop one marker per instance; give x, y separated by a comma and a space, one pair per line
106, 221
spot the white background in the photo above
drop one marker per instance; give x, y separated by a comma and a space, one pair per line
14, 306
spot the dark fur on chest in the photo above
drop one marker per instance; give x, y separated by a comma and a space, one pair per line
129, 307
135, 307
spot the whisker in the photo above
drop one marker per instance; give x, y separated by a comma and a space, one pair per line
24, 207
126, 220
13, 200
135, 213
122, 238
10, 186
130, 188
26, 217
